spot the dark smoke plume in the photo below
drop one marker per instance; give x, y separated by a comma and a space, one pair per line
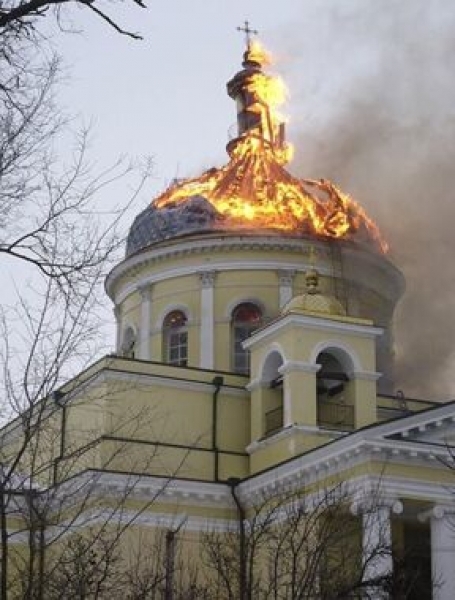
380, 122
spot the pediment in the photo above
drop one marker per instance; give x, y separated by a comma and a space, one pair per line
431, 426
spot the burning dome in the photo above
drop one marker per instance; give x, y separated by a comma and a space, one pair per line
253, 191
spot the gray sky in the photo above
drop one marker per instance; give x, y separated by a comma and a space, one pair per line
371, 106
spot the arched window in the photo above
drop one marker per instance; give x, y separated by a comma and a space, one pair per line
175, 338
246, 318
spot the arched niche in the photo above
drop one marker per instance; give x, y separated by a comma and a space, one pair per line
334, 390
273, 392
129, 342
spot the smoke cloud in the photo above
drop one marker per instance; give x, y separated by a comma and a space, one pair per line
379, 120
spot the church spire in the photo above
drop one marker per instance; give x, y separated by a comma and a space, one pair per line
256, 94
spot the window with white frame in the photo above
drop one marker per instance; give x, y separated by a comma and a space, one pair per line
246, 317
175, 338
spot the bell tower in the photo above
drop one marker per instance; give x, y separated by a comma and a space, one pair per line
313, 377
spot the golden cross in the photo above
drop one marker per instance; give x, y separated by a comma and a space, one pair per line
248, 32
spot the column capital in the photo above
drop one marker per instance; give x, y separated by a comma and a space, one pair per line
438, 511
145, 291
256, 384
366, 505
207, 278
286, 276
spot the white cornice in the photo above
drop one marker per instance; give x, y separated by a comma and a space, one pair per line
346, 453
164, 381
292, 321
289, 431
220, 245
219, 265
365, 375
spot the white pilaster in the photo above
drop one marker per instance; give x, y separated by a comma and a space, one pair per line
442, 554
207, 320
286, 278
118, 325
146, 323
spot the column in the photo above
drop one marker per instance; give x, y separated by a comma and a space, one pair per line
286, 278
118, 332
207, 320
377, 546
442, 554
146, 323
363, 396
299, 393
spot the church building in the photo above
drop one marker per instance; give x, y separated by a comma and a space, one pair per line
254, 354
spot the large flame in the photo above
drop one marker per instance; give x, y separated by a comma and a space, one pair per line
253, 190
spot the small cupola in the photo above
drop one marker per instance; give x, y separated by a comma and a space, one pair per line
313, 301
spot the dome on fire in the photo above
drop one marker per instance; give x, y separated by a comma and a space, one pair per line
154, 225
253, 192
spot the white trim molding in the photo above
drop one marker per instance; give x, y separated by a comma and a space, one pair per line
290, 366
146, 322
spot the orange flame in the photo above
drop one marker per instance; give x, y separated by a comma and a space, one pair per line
253, 190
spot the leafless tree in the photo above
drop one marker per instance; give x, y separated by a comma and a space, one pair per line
71, 522
21, 19
60, 244
299, 545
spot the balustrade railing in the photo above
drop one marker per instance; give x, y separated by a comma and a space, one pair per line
335, 415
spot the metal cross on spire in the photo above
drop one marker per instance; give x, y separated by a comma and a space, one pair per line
248, 32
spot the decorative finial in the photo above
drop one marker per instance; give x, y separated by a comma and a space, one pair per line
248, 33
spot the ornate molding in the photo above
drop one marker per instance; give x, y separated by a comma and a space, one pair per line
291, 366
207, 278
145, 291
286, 276
364, 375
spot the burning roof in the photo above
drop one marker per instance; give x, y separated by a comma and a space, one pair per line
253, 190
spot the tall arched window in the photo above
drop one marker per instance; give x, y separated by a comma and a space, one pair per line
246, 318
175, 338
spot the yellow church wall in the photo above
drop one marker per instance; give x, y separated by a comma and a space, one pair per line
231, 465
233, 431
230, 289
132, 407
363, 397
280, 448
157, 460
298, 342
234, 287
131, 310
184, 290
160, 413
